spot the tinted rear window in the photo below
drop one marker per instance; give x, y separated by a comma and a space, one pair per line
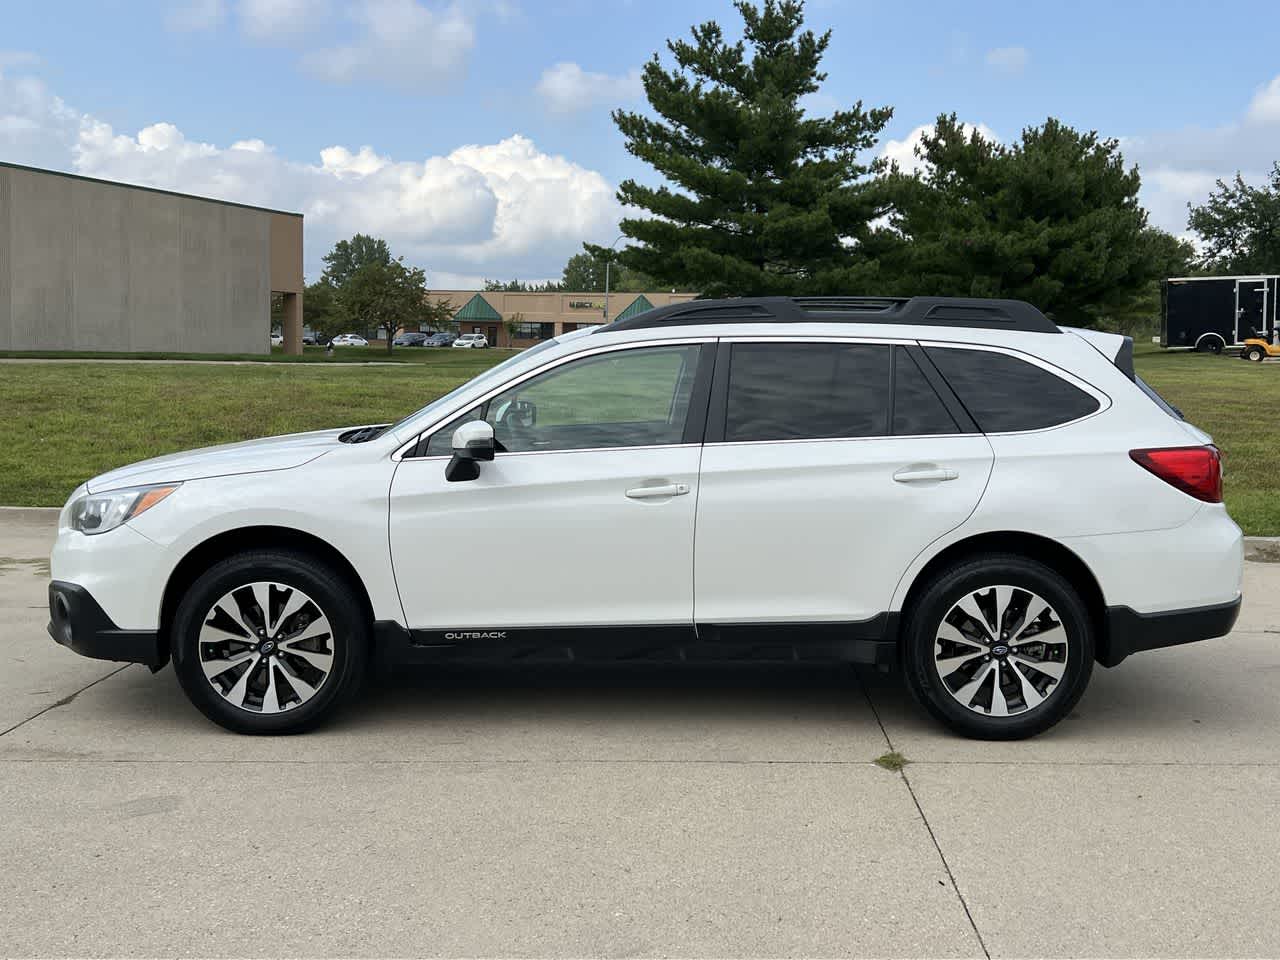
807, 391
917, 411
1003, 393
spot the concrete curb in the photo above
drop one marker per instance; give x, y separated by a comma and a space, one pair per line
1262, 549
28, 513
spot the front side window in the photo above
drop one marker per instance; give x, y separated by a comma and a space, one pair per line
625, 398
807, 391
1004, 394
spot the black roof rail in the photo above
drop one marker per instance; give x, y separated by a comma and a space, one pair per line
975, 312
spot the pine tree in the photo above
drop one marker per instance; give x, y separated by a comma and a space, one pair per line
1052, 218
761, 198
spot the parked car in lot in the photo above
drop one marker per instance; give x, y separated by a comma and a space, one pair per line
439, 340
277, 339
349, 340
410, 339
309, 340
474, 341
957, 488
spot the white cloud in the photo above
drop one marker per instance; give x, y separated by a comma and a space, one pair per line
193, 15
401, 43
270, 19
1008, 59
36, 126
567, 88
18, 58
1265, 107
903, 152
498, 209
1180, 166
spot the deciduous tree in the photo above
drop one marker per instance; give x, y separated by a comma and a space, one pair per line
1239, 227
389, 295
348, 256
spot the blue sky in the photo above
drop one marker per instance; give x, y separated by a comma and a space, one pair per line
490, 151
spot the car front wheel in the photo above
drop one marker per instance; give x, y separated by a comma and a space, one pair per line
269, 642
998, 647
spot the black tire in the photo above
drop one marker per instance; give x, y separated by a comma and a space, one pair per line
937, 599
1256, 354
348, 641
1210, 345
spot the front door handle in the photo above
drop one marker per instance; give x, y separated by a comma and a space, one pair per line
924, 474
662, 490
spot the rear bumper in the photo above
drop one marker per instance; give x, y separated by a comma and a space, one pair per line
1131, 632
77, 621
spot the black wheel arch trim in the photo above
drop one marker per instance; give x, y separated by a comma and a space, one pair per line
1130, 632
78, 622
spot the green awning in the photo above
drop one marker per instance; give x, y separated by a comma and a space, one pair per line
639, 305
477, 308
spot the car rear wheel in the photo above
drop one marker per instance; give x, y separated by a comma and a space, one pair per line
998, 647
1255, 354
269, 642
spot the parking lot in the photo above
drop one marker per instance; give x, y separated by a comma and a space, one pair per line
636, 813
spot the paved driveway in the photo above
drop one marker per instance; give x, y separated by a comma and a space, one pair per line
654, 813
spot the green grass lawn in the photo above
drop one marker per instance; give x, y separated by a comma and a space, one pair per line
1239, 403
63, 423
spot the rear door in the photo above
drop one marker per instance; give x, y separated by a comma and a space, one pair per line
829, 465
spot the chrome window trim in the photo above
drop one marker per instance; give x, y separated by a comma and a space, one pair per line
548, 453
401, 452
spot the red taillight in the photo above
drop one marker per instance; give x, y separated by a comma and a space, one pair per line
1193, 470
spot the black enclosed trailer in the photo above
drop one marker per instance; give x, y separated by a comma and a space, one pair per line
1213, 313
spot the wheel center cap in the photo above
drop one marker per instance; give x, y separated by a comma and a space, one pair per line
1000, 650
267, 647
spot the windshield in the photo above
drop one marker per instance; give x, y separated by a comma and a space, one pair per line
493, 373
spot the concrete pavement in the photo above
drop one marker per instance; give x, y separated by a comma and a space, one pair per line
636, 813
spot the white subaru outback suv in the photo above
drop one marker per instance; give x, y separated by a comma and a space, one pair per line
957, 487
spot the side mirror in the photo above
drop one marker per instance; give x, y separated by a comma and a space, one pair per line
472, 442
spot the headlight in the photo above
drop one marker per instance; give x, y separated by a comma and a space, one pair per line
100, 512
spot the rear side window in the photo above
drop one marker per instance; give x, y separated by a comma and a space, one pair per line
1003, 393
917, 411
807, 391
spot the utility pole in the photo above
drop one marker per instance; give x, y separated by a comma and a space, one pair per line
607, 264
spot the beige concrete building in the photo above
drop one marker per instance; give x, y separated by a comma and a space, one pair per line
94, 265
522, 319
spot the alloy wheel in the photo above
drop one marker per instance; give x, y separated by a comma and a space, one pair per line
1001, 651
266, 647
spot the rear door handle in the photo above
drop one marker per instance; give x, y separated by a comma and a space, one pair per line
924, 474
663, 490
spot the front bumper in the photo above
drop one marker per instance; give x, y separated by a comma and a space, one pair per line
78, 622
1128, 631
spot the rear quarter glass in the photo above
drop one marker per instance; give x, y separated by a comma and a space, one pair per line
1005, 394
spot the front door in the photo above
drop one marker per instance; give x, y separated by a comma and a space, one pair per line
834, 464
1251, 309
584, 517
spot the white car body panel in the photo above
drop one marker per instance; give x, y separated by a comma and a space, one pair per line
230, 459
562, 514
819, 530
